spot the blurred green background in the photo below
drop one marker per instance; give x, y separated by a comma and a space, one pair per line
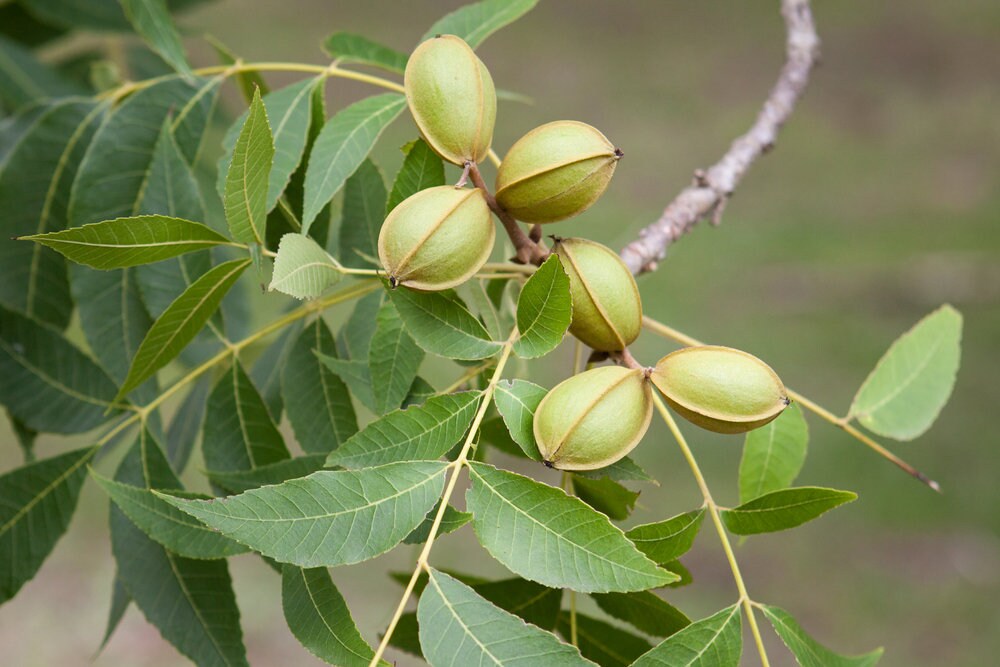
879, 203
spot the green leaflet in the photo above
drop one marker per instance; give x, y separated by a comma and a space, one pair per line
605, 644
606, 496
450, 522
303, 269
175, 530
783, 509
239, 481
36, 504
123, 242
152, 21
342, 145
238, 432
544, 310
807, 651
544, 535
422, 168
666, 541
516, 401
34, 185
318, 616
23, 79
393, 360
317, 401
459, 627
643, 610
903, 396
420, 432
362, 215
716, 641
352, 48
773, 454
477, 21
191, 602
48, 383
328, 518
247, 178
441, 324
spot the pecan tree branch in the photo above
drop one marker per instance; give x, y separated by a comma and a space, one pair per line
706, 197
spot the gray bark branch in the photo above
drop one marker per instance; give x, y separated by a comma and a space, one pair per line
706, 197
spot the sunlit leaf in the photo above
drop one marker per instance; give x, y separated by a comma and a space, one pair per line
342, 145
36, 504
302, 268
773, 454
477, 21
903, 396
516, 401
49, 384
783, 509
807, 651
666, 541
716, 641
248, 176
544, 535
317, 401
330, 517
420, 432
181, 322
460, 627
442, 325
115, 244
318, 616
544, 310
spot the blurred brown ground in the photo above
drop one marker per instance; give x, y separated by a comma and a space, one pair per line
880, 202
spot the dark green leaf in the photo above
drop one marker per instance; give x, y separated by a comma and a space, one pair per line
181, 322
442, 325
23, 79
247, 179
602, 642
152, 21
330, 517
166, 524
342, 146
807, 651
317, 401
318, 616
191, 602
49, 384
450, 522
77, 14
622, 470
249, 81
123, 242
516, 401
773, 454
716, 641
120, 600
25, 437
352, 48
302, 268
783, 509
903, 396
363, 212
422, 168
407, 635
666, 541
644, 611
420, 432
477, 21
268, 367
543, 535
393, 360
606, 496
460, 627
544, 310
271, 473
354, 374
119, 163
238, 432
355, 337
185, 425
36, 504
16, 22
34, 186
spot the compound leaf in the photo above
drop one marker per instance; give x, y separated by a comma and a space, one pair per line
441, 324
783, 509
